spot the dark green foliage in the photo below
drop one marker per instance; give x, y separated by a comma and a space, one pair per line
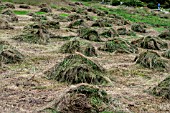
166, 54
9, 54
83, 98
77, 69
151, 43
89, 34
163, 89
138, 28
165, 35
119, 45
151, 60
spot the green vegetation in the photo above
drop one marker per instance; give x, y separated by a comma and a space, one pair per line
40, 13
17, 12
64, 15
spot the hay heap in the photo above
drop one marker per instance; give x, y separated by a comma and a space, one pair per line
166, 54
77, 69
9, 54
119, 45
79, 46
76, 23
101, 23
138, 28
34, 33
163, 89
24, 6
165, 35
122, 31
11, 16
4, 24
73, 17
151, 60
51, 24
38, 18
109, 33
82, 98
150, 43
89, 34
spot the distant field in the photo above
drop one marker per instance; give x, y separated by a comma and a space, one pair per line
34, 2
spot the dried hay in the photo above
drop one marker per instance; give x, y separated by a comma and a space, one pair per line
150, 43
138, 28
77, 68
119, 45
5, 24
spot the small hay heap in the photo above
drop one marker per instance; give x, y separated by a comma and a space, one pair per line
34, 33
166, 54
138, 28
165, 35
163, 89
152, 60
82, 98
76, 23
77, 69
109, 33
150, 43
101, 23
89, 34
8, 54
5, 24
76, 45
119, 45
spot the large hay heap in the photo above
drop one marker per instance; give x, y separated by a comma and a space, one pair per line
163, 89
119, 45
82, 98
77, 69
79, 46
151, 60
9, 54
89, 34
109, 33
34, 33
151, 43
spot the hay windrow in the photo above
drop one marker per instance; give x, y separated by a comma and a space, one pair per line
152, 60
151, 43
83, 98
34, 33
119, 45
9, 54
89, 34
77, 69
163, 89
76, 45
